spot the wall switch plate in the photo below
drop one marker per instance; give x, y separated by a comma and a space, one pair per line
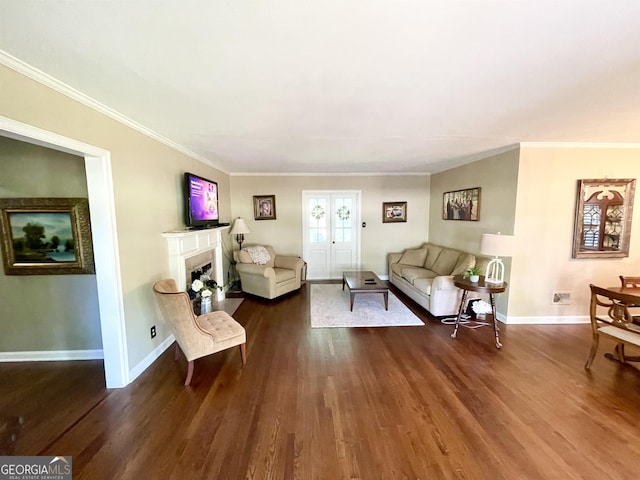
153, 331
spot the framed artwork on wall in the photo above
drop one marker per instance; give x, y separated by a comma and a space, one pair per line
46, 236
264, 207
393, 212
604, 211
461, 204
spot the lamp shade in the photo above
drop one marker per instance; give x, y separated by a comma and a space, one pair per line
496, 245
239, 227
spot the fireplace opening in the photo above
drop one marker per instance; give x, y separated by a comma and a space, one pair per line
202, 273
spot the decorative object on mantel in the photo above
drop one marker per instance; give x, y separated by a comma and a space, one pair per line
496, 245
393, 212
264, 207
461, 204
604, 210
239, 229
46, 236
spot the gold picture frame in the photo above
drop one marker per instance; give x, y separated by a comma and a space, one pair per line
264, 207
394, 212
46, 236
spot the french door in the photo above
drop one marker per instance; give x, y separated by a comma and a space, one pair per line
331, 237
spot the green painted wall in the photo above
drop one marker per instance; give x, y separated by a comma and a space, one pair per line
45, 312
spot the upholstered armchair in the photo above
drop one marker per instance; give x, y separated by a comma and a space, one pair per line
266, 274
197, 336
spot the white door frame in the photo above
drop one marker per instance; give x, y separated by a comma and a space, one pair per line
105, 242
358, 219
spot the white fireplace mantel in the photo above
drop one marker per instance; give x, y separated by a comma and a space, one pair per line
184, 244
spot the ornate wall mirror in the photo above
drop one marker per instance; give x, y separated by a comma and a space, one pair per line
604, 210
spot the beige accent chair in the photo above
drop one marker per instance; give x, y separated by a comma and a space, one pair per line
197, 336
280, 275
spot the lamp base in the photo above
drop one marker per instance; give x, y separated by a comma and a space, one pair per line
495, 272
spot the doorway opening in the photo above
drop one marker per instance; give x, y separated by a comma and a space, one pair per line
105, 246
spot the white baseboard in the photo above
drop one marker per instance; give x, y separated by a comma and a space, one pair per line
551, 320
149, 359
51, 356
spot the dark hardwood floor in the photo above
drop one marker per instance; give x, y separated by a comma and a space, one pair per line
362, 403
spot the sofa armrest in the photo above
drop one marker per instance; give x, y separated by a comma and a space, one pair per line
443, 282
394, 257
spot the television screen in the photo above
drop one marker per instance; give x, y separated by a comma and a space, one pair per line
201, 201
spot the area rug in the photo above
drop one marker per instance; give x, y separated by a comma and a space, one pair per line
330, 308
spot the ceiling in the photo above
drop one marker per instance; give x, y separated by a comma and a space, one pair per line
344, 86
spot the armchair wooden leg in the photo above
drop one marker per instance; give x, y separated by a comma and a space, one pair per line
189, 373
243, 353
177, 352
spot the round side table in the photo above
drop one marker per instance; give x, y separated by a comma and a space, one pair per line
480, 287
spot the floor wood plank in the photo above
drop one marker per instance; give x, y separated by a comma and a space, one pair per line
362, 403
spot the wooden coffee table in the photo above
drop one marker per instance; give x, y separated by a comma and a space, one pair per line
364, 282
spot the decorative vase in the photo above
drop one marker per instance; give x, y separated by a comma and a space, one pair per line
474, 278
205, 305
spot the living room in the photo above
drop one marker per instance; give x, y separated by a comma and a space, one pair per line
461, 405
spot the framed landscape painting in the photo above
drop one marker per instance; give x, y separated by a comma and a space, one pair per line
46, 236
461, 204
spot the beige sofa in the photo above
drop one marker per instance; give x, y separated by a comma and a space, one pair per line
276, 276
425, 274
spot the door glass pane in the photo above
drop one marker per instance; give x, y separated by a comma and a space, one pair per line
342, 223
318, 220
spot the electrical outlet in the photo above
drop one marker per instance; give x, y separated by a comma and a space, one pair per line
561, 298
153, 331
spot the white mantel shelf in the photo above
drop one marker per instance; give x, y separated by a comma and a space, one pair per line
183, 244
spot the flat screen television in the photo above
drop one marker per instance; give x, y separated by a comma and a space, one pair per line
201, 202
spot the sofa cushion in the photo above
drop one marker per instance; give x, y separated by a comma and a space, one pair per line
410, 274
424, 285
414, 257
464, 262
446, 262
433, 252
284, 274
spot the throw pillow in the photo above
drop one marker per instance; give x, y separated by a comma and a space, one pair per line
259, 255
414, 257
466, 261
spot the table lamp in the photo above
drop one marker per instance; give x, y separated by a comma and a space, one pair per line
239, 229
496, 245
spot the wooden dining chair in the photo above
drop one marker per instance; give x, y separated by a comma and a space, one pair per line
630, 282
611, 318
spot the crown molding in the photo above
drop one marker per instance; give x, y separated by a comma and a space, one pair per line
330, 174
47, 80
579, 145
